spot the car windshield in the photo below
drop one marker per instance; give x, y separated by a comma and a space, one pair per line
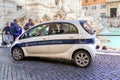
87, 27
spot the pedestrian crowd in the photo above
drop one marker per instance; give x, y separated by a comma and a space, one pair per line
12, 30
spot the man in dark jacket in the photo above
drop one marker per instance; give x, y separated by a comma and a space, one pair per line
14, 29
29, 24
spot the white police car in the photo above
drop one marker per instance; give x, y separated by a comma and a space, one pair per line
68, 39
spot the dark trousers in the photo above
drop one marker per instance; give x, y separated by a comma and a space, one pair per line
14, 37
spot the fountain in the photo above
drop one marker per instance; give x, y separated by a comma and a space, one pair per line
109, 34
105, 30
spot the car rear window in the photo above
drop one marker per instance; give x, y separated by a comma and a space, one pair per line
87, 27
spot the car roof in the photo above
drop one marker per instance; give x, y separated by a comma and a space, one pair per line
81, 21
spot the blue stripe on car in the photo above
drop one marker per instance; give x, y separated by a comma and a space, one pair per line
57, 42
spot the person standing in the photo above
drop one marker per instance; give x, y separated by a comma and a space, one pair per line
29, 24
20, 30
6, 30
14, 29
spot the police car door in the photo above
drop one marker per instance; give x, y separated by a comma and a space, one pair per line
62, 36
36, 42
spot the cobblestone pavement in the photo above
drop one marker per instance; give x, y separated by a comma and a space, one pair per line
104, 67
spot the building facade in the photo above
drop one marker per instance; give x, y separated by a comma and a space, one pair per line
94, 7
113, 8
7, 7
103, 8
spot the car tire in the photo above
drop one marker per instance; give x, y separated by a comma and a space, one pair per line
82, 59
17, 53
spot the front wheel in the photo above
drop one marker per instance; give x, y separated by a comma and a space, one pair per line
17, 53
82, 59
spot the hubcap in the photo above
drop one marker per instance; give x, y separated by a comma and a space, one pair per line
17, 54
82, 59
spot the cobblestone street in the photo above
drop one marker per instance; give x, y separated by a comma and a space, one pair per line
104, 67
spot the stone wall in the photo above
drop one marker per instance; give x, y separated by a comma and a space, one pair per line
7, 7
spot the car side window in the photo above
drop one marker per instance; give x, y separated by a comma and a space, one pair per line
34, 32
23, 36
40, 30
57, 28
69, 28
54, 28
72, 29
45, 30
63, 28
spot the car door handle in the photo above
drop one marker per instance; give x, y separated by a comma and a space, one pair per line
43, 38
71, 37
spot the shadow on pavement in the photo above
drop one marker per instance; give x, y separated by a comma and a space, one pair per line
50, 60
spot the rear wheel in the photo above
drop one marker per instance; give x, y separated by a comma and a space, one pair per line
17, 53
82, 59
